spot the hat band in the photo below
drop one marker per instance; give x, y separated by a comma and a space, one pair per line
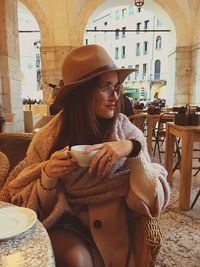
99, 70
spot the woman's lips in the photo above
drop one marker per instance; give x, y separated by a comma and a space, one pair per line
111, 107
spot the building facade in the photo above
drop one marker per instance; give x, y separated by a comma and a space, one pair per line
135, 39
62, 26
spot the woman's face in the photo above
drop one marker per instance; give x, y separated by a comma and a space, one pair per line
106, 95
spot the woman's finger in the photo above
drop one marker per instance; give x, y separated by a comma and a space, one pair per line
61, 154
92, 148
96, 160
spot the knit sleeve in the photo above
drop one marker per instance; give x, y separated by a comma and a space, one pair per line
130, 131
26, 190
149, 191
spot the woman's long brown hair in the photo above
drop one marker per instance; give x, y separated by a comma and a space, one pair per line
79, 123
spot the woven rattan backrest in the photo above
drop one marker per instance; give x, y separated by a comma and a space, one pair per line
15, 145
138, 120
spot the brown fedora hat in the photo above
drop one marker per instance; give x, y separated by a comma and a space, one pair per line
83, 64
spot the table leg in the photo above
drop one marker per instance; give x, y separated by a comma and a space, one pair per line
186, 172
149, 137
169, 152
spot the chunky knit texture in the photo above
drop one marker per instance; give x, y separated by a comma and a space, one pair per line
4, 167
80, 188
144, 179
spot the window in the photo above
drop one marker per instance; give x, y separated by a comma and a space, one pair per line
137, 72
145, 48
137, 49
123, 51
146, 24
130, 75
105, 23
131, 10
158, 23
37, 63
157, 70
105, 36
138, 27
123, 32
158, 42
116, 34
116, 53
86, 41
117, 14
144, 71
124, 12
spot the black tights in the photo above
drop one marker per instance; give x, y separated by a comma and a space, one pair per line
71, 251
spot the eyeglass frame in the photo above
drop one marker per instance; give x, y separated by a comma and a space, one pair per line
115, 90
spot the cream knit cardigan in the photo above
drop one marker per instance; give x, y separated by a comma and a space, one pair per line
147, 193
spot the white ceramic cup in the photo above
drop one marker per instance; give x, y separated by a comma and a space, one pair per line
83, 160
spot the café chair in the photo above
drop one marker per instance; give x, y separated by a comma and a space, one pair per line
146, 231
14, 145
160, 132
139, 120
195, 199
4, 190
4, 168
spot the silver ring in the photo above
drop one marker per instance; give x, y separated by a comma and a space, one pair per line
108, 158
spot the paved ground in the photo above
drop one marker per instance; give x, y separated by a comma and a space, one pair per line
181, 230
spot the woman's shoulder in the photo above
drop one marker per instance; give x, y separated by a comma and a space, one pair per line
46, 136
122, 119
50, 127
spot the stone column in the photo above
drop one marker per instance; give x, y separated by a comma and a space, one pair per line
195, 91
10, 74
180, 63
52, 58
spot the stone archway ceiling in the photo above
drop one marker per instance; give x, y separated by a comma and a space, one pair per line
42, 19
185, 17
25, 14
149, 5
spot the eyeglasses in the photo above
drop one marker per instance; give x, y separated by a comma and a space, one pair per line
108, 90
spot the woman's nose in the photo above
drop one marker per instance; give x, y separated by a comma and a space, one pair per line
114, 96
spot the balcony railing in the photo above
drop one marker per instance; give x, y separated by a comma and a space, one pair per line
140, 76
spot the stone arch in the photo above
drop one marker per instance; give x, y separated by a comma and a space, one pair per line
44, 23
96, 8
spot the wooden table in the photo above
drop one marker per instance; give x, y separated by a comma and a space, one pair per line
188, 134
31, 248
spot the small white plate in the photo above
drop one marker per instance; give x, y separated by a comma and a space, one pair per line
15, 220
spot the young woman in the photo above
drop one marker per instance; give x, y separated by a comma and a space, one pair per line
89, 211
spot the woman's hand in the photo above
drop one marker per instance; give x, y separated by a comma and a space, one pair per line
60, 163
108, 154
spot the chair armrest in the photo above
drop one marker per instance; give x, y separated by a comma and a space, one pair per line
4, 168
147, 241
4, 192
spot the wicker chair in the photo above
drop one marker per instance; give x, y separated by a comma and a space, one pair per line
15, 145
146, 231
4, 168
147, 234
160, 132
139, 120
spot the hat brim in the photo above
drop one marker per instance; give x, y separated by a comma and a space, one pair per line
66, 89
